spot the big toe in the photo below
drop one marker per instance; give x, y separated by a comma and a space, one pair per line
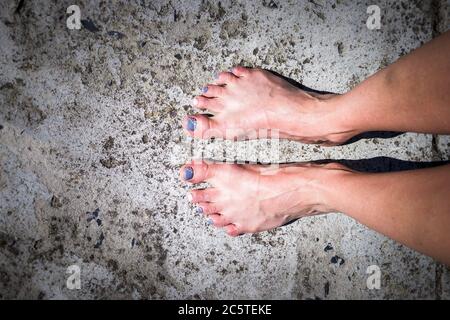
228, 128
202, 126
195, 172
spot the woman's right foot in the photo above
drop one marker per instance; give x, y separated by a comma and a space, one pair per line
253, 103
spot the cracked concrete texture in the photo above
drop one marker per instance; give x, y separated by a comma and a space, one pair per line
91, 142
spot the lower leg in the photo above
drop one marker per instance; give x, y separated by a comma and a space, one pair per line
412, 207
412, 94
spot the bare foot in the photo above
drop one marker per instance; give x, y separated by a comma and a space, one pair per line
253, 198
245, 100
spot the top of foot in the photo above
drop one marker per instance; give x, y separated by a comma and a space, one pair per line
250, 103
255, 198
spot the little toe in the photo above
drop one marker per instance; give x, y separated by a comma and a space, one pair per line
231, 230
218, 220
207, 208
225, 78
240, 71
213, 91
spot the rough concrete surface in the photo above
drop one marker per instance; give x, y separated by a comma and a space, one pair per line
91, 143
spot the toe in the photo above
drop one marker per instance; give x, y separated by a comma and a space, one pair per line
206, 103
207, 208
231, 230
218, 220
202, 126
224, 78
196, 172
240, 71
205, 195
213, 91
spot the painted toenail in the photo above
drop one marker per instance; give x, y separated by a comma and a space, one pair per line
216, 76
194, 101
209, 222
188, 173
199, 210
205, 89
191, 124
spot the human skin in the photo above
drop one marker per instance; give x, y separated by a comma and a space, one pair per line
412, 207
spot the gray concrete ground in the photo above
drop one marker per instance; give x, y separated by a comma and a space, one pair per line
91, 142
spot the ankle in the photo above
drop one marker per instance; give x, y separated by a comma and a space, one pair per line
338, 121
324, 181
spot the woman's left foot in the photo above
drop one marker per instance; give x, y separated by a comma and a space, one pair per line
253, 198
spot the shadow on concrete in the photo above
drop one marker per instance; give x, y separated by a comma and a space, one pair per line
298, 84
364, 135
384, 164
373, 134
370, 165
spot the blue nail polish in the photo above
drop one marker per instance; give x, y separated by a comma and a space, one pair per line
209, 222
191, 124
199, 210
205, 89
188, 173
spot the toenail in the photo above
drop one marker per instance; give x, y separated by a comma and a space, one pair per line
209, 222
191, 124
205, 89
216, 76
199, 210
188, 173
189, 197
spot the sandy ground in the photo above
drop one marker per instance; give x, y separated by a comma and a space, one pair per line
91, 143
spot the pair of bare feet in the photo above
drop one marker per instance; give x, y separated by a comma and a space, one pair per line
252, 198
